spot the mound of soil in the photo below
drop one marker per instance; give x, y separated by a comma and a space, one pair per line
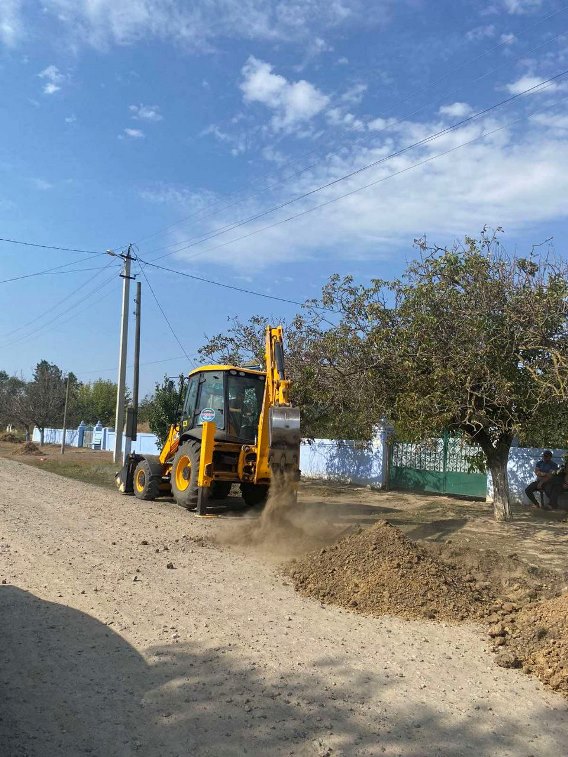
29, 448
379, 571
536, 639
513, 579
9, 437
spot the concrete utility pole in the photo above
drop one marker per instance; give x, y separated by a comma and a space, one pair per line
119, 419
136, 378
65, 417
132, 412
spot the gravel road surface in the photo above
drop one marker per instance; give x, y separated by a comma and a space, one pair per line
105, 650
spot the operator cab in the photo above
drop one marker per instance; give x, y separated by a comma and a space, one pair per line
232, 397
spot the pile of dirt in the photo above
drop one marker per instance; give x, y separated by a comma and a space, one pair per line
535, 638
29, 448
379, 571
10, 437
513, 579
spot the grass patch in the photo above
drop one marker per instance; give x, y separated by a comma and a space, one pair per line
98, 474
87, 465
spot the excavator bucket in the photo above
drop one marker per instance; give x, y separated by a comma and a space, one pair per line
284, 440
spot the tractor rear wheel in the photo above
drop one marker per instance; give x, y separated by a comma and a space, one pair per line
145, 485
254, 494
185, 469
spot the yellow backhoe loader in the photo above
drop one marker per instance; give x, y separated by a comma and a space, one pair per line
237, 426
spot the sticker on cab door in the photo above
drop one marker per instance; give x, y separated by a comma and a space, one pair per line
207, 414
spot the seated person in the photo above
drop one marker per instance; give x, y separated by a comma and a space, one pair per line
545, 471
235, 415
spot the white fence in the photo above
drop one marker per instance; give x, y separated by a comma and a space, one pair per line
353, 462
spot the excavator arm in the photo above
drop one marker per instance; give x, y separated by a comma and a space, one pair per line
279, 424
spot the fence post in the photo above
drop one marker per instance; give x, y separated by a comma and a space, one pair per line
445, 441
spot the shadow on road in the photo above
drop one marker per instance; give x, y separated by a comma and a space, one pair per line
71, 686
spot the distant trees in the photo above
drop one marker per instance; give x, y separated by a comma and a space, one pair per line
43, 400
96, 401
163, 408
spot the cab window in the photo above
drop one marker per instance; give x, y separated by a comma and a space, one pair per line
211, 399
190, 398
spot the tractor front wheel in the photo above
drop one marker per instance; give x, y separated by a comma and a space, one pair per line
185, 469
254, 494
145, 485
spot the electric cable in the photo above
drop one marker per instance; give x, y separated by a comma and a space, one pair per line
202, 213
45, 324
51, 272
359, 189
51, 247
225, 286
57, 304
436, 135
164, 314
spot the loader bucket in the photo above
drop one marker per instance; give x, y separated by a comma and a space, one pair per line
124, 479
284, 440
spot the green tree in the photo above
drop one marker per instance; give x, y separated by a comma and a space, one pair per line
11, 387
43, 401
469, 340
165, 406
96, 401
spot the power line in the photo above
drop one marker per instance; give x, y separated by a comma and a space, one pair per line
164, 314
45, 324
218, 232
53, 272
225, 286
359, 189
57, 304
50, 247
203, 213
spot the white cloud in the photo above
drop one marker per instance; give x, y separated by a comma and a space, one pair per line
53, 79
41, 184
481, 32
507, 39
236, 142
132, 134
354, 94
382, 124
293, 103
11, 25
456, 110
146, 112
527, 82
504, 178
198, 24
72, 119
519, 7
344, 119
556, 121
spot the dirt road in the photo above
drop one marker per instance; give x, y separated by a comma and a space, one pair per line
108, 651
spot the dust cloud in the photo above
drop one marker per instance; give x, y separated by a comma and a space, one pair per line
285, 527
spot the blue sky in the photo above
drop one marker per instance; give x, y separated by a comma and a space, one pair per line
163, 122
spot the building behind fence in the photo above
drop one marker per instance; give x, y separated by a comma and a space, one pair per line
365, 464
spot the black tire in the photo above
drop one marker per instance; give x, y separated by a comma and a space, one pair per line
219, 489
145, 485
254, 494
185, 470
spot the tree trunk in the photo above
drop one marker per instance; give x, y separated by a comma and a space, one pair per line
41, 435
497, 458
